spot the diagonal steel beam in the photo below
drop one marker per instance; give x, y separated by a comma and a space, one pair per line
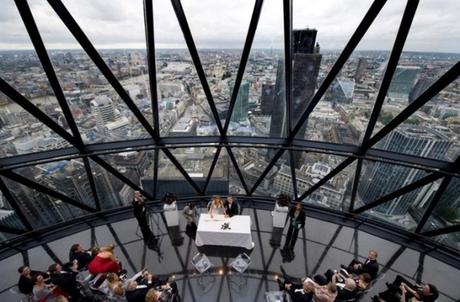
293, 174
37, 113
287, 21
119, 175
404, 190
155, 172
432, 205
368, 19
348, 161
237, 168
393, 61
181, 169
13, 203
211, 169
244, 59
92, 184
447, 78
34, 34
46, 190
151, 62
354, 190
10, 230
447, 230
88, 47
180, 14
278, 154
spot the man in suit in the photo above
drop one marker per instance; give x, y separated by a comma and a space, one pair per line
140, 212
370, 265
66, 279
402, 290
231, 207
299, 292
27, 279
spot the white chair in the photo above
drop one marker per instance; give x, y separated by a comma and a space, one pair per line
241, 263
201, 262
171, 214
279, 216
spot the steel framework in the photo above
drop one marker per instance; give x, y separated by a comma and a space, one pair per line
439, 170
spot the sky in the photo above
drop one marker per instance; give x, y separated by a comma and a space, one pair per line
224, 24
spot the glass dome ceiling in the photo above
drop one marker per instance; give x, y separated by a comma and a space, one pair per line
226, 98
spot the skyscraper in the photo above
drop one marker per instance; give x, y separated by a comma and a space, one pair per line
380, 178
420, 87
103, 110
305, 68
267, 98
403, 81
240, 111
360, 69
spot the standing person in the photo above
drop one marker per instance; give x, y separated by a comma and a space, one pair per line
77, 252
190, 214
27, 279
66, 280
296, 222
41, 291
140, 212
105, 262
231, 207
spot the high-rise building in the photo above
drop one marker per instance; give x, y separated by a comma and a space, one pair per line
360, 70
267, 98
240, 111
403, 81
342, 91
103, 110
380, 179
420, 87
305, 68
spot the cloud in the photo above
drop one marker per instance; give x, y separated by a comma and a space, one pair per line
224, 23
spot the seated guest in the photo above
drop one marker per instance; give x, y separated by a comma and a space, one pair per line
41, 291
370, 265
138, 286
347, 291
60, 299
65, 280
165, 293
104, 262
402, 290
216, 206
26, 279
77, 252
299, 292
323, 293
231, 207
363, 281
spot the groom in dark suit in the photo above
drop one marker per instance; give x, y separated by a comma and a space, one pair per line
231, 207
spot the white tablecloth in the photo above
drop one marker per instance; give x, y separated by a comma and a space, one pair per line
209, 231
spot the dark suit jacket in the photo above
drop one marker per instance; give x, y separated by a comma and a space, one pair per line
25, 285
299, 296
370, 267
67, 282
231, 210
301, 216
345, 294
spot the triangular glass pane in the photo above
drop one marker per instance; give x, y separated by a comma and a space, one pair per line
429, 51
22, 69
260, 105
112, 192
182, 104
101, 115
224, 172
22, 133
379, 179
40, 209
220, 50
342, 114
402, 211
68, 177
313, 167
432, 131
171, 180
335, 193
252, 163
123, 48
197, 161
447, 211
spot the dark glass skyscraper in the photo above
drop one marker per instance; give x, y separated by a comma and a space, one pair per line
380, 178
306, 61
